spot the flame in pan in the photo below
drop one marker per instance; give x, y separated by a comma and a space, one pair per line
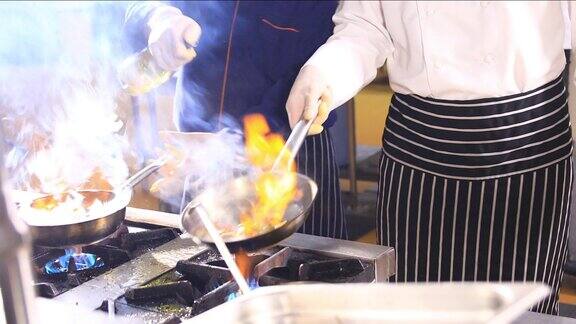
274, 190
95, 191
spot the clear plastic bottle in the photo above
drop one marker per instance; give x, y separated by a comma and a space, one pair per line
139, 73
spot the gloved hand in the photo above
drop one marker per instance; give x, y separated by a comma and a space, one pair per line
309, 88
172, 37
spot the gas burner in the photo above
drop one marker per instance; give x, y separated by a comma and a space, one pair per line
326, 271
203, 281
72, 262
59, 270
179, 280
194, 286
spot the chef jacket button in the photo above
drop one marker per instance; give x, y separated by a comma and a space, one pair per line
437, 66
489, 58
430, 12
484, 4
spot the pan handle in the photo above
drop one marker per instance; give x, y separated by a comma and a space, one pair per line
295, 140
153, 217
298, 135
145, 172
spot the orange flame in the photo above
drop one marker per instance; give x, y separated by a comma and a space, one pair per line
96, 181
95, 188
274, 190
244, 264
49, 202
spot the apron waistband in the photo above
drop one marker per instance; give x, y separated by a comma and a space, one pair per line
480, 139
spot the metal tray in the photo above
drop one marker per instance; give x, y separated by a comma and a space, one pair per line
377, 303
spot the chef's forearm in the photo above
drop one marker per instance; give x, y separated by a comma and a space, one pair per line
360, 44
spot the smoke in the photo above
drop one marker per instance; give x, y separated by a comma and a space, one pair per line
200, 161
58, 92
59, 97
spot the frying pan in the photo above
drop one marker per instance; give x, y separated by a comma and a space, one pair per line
224, 204
101, 223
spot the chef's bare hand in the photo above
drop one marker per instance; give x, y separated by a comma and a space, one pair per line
311, 98
172, 37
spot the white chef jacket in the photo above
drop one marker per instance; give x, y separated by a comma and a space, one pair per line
456, 50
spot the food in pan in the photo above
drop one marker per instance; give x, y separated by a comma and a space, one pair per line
93, 199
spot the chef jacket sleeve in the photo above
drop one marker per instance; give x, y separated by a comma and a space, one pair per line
359, 46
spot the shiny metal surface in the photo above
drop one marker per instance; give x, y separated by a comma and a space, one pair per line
162, 259
538, 318
85, 233
82, 233
51, 312
377, 303
279, 259
351, 119
293, 143
115, 282
94, 229
15, 288
153, 217
225, 204
383, 257
144, 173
15, 268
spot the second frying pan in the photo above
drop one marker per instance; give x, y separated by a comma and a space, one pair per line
70, 231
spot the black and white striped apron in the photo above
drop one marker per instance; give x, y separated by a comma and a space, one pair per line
478, 190
316, 159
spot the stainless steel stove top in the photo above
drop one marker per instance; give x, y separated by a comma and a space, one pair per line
325, 260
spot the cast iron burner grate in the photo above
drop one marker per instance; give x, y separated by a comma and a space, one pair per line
203, 282
190, 289
306, 267
55, 273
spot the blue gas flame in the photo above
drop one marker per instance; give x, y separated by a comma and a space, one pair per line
252, 283
83, 261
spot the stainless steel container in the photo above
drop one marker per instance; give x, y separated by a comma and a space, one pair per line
378, 303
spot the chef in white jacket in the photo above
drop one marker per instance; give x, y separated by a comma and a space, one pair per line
476, 167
